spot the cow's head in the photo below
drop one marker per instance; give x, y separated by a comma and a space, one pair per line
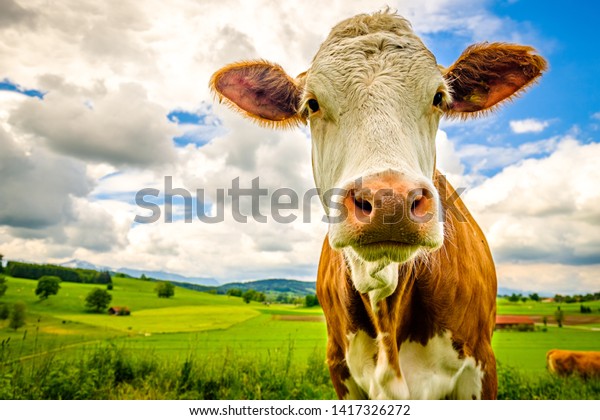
373, 97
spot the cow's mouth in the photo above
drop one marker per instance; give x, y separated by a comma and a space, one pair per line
393, 251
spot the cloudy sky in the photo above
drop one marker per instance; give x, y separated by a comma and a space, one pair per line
101, 99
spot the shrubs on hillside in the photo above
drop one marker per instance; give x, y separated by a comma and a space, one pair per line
17, 316
3, 285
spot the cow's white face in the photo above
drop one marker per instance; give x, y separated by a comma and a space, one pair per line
373, 97
374, 103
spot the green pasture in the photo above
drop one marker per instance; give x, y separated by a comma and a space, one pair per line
204, 325
504, 307
527, 350
191, 322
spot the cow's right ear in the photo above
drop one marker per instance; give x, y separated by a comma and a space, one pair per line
260, 90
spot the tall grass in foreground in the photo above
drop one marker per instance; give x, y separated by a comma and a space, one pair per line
109, 371
516, 385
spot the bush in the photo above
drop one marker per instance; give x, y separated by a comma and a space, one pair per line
109, 286
3, 285
17, 316
4, 311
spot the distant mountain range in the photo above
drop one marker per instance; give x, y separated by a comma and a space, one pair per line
159, 275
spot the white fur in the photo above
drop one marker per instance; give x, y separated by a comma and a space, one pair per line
378, 278
433, 371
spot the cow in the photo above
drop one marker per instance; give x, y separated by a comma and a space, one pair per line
406, 279
586, 364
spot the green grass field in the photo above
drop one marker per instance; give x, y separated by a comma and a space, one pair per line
214, 328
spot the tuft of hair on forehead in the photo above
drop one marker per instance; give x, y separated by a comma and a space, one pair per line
385, 20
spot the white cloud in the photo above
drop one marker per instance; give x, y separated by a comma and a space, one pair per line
528, 125
549, 277
544, 210
482, 157
121, 127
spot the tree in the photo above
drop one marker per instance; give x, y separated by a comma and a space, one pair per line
514, 297
535, 297
17, 316
165, 289
311, 300
3, 285
47, 286
559, 316
249, 295
98, 299
234, 292
1, 266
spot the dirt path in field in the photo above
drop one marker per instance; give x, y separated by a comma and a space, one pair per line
570, 319
301, 318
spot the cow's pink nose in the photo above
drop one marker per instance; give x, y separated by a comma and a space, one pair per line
368, 205
390, 207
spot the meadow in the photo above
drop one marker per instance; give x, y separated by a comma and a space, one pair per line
225, 347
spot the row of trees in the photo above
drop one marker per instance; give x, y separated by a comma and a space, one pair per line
577, 298
518, 297
253, 295
72, 275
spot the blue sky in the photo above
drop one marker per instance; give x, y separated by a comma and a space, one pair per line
123, 101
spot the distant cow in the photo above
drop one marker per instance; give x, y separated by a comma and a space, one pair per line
567, 362
406, 278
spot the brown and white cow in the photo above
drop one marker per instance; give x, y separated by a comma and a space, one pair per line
568, 362
406, 279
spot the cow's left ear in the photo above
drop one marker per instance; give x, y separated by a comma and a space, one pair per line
260, 90
486, 74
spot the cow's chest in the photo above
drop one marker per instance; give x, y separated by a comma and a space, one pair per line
431, 371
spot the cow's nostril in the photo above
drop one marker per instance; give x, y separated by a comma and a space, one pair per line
422, 205
364, 205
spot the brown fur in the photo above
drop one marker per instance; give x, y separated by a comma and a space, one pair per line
567, 362
486, 74
452, 289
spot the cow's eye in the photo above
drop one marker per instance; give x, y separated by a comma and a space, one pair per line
313, 105
437, 99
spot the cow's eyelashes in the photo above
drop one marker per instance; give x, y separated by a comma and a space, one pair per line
438, 98
313, 105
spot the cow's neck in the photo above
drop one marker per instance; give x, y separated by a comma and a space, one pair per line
399, 299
